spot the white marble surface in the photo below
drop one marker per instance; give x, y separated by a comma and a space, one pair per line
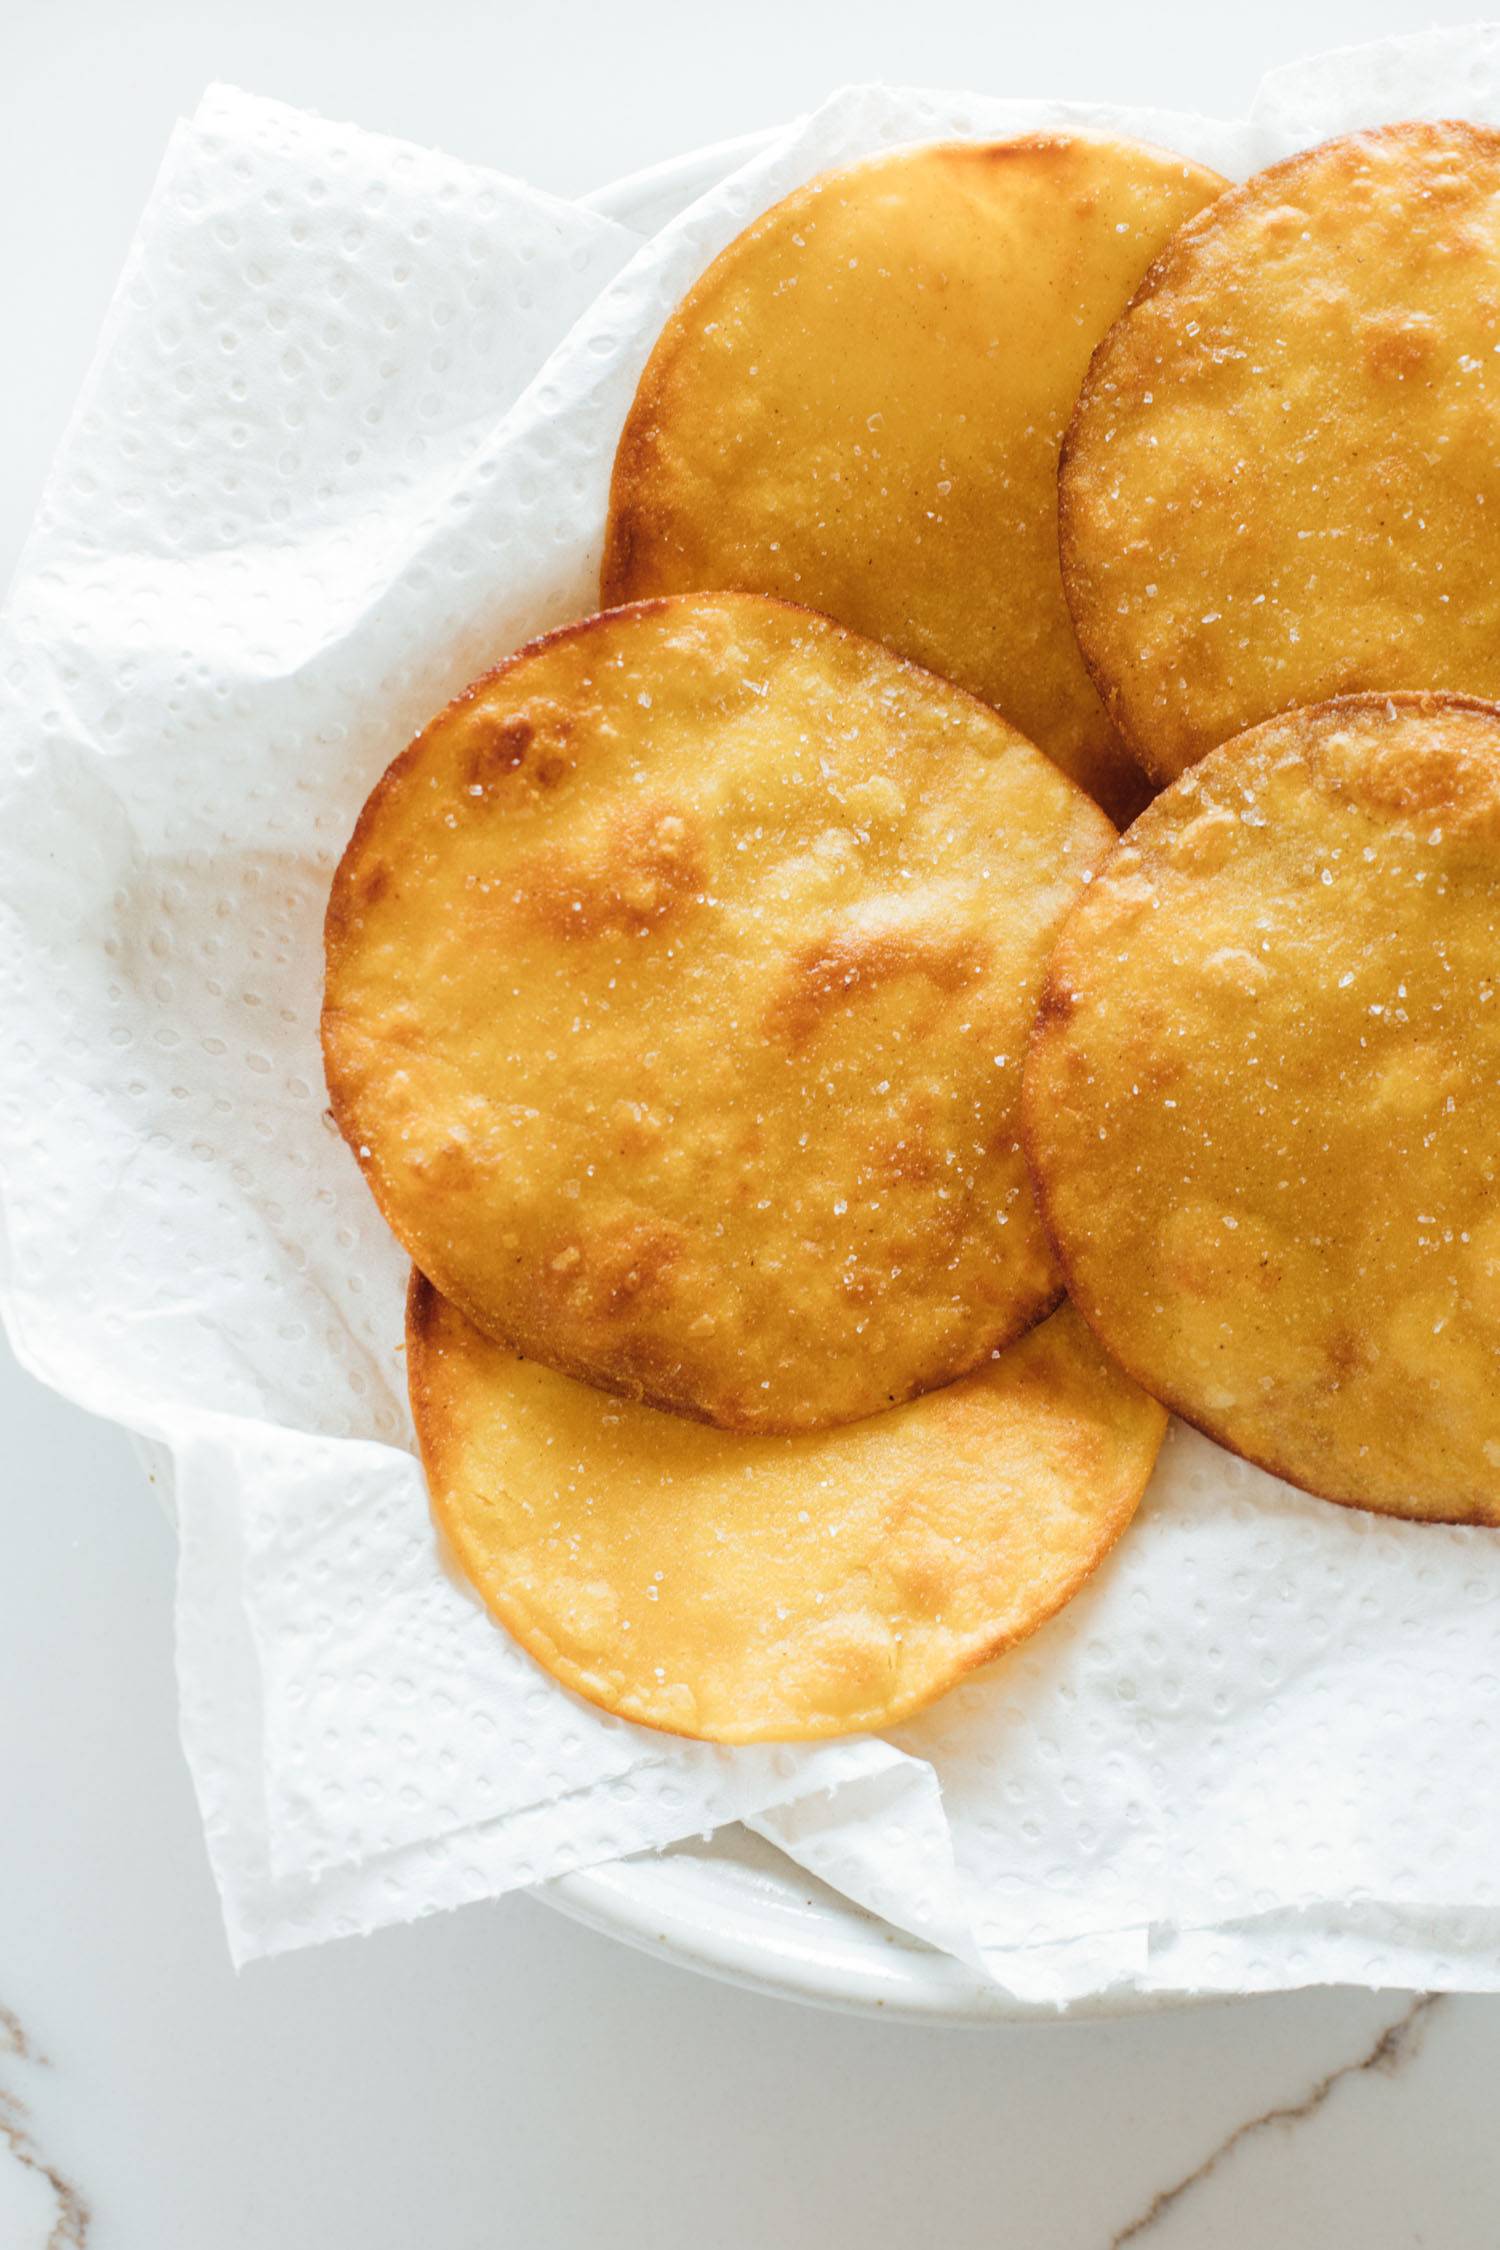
502, 2076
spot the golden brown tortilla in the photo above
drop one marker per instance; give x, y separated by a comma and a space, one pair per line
1282, 482
1263, 1102
678, 981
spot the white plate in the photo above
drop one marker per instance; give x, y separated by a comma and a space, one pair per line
734, 1906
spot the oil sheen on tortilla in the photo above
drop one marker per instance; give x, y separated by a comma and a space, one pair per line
1263, 1101
859, 407
752, 1588
678, 980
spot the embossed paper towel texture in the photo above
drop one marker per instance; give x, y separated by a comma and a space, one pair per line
266, 552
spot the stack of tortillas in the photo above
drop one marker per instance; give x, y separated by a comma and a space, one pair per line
742, 1009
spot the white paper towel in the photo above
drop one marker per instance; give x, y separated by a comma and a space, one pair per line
320, 477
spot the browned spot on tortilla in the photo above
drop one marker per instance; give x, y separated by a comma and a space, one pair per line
631, 1266
1398, 344
604, 1275
623, 546
1344, 1355
637, 1126
1056, 1005
624, 883
1054, 150
852, 964
1449, 777
447, 1166
532, 744
496, 746
910, 1158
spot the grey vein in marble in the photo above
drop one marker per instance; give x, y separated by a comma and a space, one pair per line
70, 2225
1396, 2045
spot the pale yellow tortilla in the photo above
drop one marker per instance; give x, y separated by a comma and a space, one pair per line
859, 407
745, 1589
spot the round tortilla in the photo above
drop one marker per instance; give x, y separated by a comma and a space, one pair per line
1281, 483
678, 981
859, 406
746, 1589
1263, 1102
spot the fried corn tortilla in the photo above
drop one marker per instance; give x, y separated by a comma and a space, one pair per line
1282, 481
1263, 1102
753, 1588
859, 407
678, 980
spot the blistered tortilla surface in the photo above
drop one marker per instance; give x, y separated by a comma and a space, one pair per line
1263, 1102
1282, 482
679, 977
